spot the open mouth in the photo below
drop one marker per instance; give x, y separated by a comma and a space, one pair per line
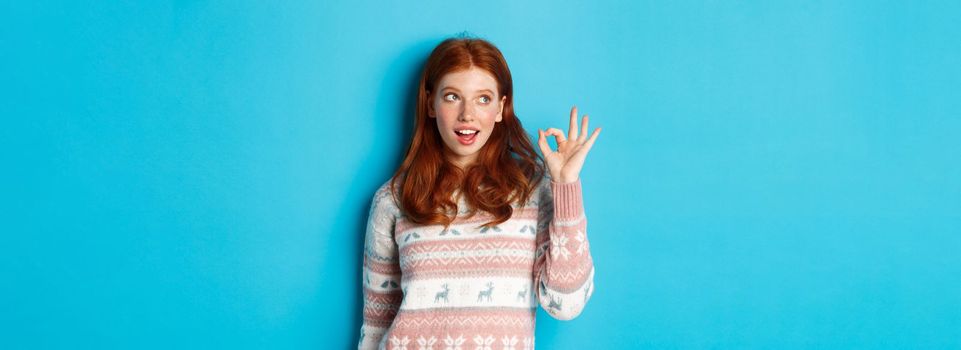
466, 136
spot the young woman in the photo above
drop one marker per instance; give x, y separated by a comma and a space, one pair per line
472, 232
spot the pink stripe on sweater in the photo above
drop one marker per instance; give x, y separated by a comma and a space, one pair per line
385, 268
403, 225
475, 243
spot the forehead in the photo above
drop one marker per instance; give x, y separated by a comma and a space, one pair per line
473, 79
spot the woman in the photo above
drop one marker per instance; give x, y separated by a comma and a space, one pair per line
471, 233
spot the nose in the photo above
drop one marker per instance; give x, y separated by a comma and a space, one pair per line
466, 113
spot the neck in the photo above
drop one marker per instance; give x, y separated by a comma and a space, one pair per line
462, 162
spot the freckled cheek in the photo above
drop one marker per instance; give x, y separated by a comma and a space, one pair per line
486, 113
490, 115
448, 112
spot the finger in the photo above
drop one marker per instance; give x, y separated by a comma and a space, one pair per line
542, 142
583, 136
590, 141
572, 133
558, 135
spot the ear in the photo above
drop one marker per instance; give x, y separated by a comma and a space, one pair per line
430, 106
500, 113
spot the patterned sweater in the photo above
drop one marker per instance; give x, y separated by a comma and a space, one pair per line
468, 287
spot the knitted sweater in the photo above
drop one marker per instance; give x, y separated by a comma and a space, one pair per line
468, 287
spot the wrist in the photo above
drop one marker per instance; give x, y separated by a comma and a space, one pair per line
567, 199
565, 180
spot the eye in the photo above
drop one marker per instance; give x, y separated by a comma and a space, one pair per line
485, 99
450, 97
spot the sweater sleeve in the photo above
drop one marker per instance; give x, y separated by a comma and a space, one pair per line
563, 267
381, 271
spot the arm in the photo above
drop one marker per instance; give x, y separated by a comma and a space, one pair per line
381, 271
563, 267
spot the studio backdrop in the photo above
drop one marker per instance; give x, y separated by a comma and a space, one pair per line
198, 174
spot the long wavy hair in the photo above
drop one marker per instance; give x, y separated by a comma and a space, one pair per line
507, 169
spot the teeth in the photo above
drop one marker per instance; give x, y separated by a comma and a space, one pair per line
466, 132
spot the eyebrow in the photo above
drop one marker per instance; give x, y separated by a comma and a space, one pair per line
455, 89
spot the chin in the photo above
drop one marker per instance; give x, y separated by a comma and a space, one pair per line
465, 154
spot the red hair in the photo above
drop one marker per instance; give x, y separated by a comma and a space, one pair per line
507, 169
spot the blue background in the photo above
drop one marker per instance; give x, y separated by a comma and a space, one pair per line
193, 174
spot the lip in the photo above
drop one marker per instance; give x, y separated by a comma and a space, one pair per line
467, 140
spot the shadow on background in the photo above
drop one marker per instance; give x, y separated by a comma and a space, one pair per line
396, 98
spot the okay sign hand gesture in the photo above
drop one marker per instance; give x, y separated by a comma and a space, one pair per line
565, 163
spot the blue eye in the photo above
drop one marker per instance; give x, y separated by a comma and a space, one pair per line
485, 99
450, 97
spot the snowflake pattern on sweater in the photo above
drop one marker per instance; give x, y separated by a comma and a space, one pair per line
470, 287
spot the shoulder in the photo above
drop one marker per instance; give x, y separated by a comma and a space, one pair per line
383, 190
384, 200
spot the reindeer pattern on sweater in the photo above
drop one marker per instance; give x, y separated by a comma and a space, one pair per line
473, 287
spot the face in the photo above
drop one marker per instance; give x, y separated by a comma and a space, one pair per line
465, 100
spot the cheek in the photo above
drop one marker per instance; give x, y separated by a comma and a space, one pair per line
490, 117
446, 112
